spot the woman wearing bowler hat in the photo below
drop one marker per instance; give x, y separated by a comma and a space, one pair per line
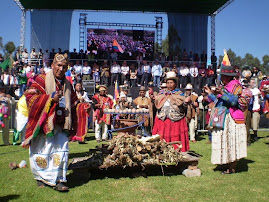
170, 121
227, 122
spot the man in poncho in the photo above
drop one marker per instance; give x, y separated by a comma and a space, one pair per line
51, 103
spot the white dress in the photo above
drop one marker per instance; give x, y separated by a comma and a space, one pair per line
229, 144
49, 158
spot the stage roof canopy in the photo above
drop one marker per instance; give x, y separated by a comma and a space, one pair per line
169, 6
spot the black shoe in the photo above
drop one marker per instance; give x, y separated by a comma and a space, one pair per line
61, 187
82, 142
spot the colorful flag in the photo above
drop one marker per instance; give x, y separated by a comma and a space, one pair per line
68, 76
226, 60
116, 46
4, 65
116, 92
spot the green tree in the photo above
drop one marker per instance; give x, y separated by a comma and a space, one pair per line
265, 65
9, 48
165, 44
251, 61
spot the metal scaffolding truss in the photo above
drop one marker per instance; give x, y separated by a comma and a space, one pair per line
82, 30
213, 25
23, 24
83, 23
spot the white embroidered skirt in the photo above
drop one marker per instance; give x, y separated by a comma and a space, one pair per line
49, 158
229, 144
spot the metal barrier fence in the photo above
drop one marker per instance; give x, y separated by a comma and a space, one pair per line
137, 62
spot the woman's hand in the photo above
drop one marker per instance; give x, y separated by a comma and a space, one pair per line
187, 99
219, 90
207, 90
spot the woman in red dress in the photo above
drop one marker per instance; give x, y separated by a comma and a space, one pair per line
170, 121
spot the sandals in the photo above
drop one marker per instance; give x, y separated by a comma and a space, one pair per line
40, 184
61, 187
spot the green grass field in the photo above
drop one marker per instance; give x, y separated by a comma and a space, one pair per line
251, 183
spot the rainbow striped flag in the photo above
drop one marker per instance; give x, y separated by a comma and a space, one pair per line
116, 46
226, 60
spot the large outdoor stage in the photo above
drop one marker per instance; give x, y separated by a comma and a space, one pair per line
51, 20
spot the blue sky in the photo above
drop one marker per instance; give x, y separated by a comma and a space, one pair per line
243, 26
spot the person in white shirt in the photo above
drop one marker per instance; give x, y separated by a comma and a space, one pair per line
256, 107
46, 57
115, 72
5, 78
81, 94
25, 56
78, 69
184, 72
86, 71
194, 75
146, 73
156, 73
124, 72
33, 55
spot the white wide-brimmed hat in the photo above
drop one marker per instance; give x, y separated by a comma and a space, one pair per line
171, 76
188, 87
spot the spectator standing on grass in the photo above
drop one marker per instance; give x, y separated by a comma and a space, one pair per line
247, 112
156, 73
192, 119
5, 105
22, 78
255, 107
